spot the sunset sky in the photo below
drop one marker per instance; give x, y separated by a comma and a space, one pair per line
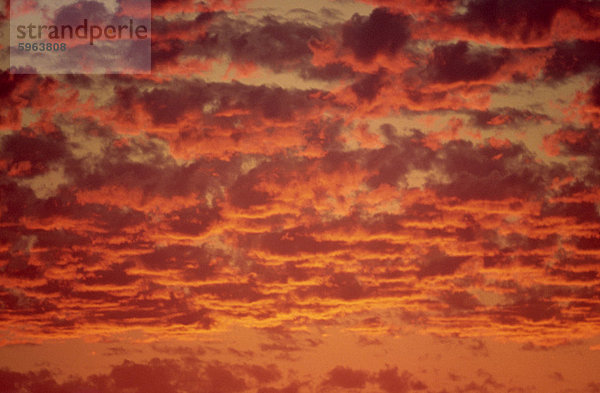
371, 196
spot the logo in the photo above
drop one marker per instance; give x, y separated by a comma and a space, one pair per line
86, 37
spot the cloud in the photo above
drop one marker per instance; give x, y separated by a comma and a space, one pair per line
436, 262
346, 378
274, 44
458, 301
411, 172
294, 387
507, 117
528, 22
578, 142
475, 174
382, 32
391, 382
116, 274
458, 62
23, 91
153, 375
572, 58
368, 87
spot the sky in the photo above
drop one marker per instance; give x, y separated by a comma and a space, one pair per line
318, 196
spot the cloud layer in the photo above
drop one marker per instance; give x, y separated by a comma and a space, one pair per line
430, 169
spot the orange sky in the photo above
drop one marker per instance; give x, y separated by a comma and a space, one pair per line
319, 196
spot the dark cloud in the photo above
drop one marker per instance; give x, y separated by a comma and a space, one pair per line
346, 378
296, 241
29, 154
593, 387
133, 311
437, 263
586, 276
390, 381
165, 51
247, 292
460, 300
222, 380
274, 44
171, 6
328, 72
582, 212
557, 376
506, 117
291, 388
594, 94
490, 173
277, 44
62, 287
244, 193
531, 304
193, 220
459, 62
116, 274
485, 383
170, 105
518, 241
80, 80
264, 375
381, 32
368, 86
16, 202
525, 21
160, 178
345, 286
41, 381
581, 142
402, 154
16, 302
10, 82
572, 58
588, 243
167, 106
154, 377
74, 14
196, 259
